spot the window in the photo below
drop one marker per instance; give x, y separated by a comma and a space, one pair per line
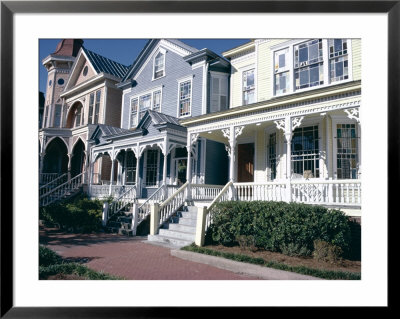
308, 64
272, 156
305, 152
248, 87
97, 107
282, 81
185, 96
60, 81
144, 104
338, 60
150, 100
347, 151
46, 116
91, 106
219, 93
159, 65
151, 167
130, 168
85, 70
57, 115
134, 109
157, 100
78, 114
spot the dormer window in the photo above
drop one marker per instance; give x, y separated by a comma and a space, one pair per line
159, 65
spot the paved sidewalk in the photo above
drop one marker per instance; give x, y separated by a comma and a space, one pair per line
136, 259
131, 258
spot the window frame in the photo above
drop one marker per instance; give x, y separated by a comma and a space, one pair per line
163, 52
157, 168
138, 96
326, 65
180, 81
221, 77
247, 69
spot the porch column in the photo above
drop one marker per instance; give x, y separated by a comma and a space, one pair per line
232, 133
165, 153
137, 182
69, 165
191, 139
41, 160
112, 156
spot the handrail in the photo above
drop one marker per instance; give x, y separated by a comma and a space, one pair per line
144, 209
121, 202
61, 190
53, 181
174, 195
222, 192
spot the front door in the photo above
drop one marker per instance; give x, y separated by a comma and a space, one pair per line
181, 165
245, 163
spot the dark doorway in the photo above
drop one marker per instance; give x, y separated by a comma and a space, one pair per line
245, 163
78, 158
56, 158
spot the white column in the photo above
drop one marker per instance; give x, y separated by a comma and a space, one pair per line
137, 182
192, 137
232, 146
69, 165
112, 170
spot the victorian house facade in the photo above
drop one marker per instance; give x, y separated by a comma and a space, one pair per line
81, 93
273, 119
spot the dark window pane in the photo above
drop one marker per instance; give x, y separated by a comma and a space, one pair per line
339, 68
303, 54
281, 60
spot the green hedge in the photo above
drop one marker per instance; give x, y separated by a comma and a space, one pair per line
290, 228
81, 214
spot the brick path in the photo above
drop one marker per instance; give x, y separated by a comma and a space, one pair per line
130, 258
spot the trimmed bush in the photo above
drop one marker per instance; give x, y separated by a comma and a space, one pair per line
290, 228
81, 214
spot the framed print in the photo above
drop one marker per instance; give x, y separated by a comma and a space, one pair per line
374, 23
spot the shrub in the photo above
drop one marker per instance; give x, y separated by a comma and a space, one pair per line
290, 228
246, 242
81, 214
48, 257
327, 252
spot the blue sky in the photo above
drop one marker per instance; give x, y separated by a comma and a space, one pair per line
125, 51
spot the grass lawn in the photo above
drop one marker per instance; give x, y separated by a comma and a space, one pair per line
344, 269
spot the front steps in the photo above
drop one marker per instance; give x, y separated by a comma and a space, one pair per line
180, 231
121, 224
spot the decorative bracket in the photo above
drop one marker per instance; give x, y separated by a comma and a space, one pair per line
353, 114
238, 130
193, 138
296, 122
281, 125
226, 132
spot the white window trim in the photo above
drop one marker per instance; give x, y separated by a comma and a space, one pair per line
163, 52
221, 76
337, 119
242, 70
181, 80
138, 96
291, 44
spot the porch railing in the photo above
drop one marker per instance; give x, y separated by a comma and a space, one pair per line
204, 218
145, 208
45, 178
103, 191
260, 191
124, 201
61, 191
329, 192
52, 184
171, 205
204, 191
324, 192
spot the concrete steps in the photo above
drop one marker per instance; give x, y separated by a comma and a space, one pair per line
180, 231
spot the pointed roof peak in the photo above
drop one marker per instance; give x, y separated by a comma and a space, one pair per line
68, 47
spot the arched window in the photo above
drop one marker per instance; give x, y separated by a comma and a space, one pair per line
78, 116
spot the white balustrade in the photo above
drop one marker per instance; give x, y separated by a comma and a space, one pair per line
125, 200
61, 191
271, 191
156, 197
204, 191
53, 184
45, 178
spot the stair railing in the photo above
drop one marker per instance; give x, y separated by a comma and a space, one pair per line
161, 213
60, 191
204, 218
52, 184
144, 209
125, 200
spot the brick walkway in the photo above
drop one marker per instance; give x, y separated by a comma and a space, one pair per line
130, 258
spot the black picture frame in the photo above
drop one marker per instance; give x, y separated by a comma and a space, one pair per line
9, 8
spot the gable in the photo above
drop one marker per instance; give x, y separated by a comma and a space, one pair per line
82, 71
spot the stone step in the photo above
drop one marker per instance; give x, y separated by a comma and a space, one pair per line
177, 234
182, 228
168, 240
189, 214
187, 221
125, 232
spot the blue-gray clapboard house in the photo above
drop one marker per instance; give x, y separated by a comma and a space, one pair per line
168, 81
